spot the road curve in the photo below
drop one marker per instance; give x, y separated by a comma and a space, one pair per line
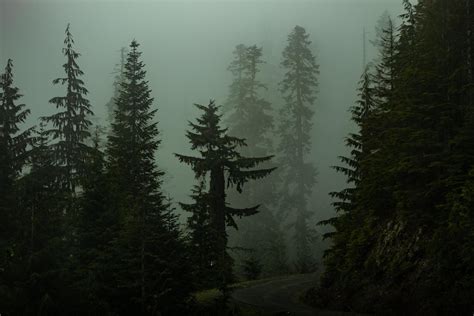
281, 296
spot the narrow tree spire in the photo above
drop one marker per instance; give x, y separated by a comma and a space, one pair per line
299, 88
70, 125
13, 141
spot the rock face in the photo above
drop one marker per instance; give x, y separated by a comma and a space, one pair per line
393, 275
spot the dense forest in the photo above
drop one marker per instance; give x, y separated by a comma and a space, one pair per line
404, 233
88, 227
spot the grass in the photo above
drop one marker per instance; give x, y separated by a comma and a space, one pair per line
206, 297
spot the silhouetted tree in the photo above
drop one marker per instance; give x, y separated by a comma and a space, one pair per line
201, 237
96, 227
118, 79
44, 252
13, 153
150, 267
223, 164
70, 126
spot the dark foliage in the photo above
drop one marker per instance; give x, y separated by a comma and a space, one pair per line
224, 166
403, 239
299, 88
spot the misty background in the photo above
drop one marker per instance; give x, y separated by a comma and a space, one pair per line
187, 47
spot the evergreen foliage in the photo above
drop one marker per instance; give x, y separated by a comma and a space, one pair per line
43, 255
13, 155
70, 125
299, 88
201, 237
150, 267
224, 166
403, 233
89, 231
119, 78
96, 226
249, 115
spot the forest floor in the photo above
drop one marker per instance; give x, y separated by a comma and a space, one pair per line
272, 297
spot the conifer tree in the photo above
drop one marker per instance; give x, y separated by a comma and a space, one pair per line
43, 248
248, 112
119, 77
201, 236
237, 89
249, 115
150, 266
96, 227
224, 166
13, 155
386, 43
14, 140
349, 206
299, 88
70, 125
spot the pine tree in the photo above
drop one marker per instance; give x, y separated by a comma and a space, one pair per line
201, 236
299, 88
96, 227
248, 112
386, 43
42, 282
14, 141
119, 78
70, 126
151, 269
13, 155
351, 210
237, 89
224, 166
249, 115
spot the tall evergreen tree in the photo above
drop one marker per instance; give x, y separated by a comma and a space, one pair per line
237, 89
349, 205
70, 126
96, 225
386, 43
299, 88
249, 115
13, 153
119, 78
14, 141
150, 266
224, 165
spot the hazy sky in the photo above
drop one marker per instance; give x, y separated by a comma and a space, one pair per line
187, 46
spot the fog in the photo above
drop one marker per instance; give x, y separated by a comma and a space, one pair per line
92, 227
187, 46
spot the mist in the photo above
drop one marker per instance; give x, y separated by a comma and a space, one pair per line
187, 46
236, 157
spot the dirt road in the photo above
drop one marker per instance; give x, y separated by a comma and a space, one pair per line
282, 296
